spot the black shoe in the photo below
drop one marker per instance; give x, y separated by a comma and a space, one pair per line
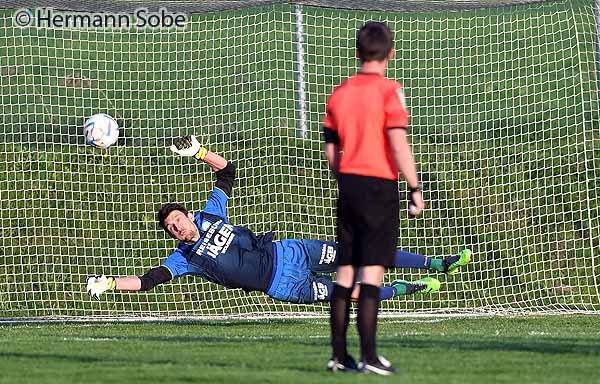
347, 365
380, 367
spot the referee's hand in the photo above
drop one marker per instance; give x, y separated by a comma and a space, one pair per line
415, 203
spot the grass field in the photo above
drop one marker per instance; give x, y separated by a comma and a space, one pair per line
530, 350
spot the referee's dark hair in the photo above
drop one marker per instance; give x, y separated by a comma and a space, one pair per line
165, 210
374, 41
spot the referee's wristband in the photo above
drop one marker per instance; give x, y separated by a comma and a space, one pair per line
418, 188
201, 153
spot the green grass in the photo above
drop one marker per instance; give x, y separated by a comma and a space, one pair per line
478, 350
504, 109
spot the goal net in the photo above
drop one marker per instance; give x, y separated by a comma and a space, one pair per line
504, 126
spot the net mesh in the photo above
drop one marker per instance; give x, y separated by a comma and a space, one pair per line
504, 128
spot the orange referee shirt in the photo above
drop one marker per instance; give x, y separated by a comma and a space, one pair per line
360, 111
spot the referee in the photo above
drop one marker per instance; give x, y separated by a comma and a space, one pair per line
366, 146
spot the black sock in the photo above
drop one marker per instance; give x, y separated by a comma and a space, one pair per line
368, 306
339, 319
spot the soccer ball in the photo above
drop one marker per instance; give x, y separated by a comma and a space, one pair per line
101, 130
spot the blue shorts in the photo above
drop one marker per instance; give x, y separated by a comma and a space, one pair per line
298, 264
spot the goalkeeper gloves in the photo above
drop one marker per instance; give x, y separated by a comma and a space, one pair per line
97, 285
189, 146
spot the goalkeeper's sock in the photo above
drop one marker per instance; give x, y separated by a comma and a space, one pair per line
387, 293
437, 265
411, 260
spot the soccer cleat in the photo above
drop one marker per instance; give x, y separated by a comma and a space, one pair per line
453, 263
427, 285
424, 285
380, 367
348, 365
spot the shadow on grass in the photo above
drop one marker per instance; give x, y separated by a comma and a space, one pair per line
74, 358
589, 346
213, 349
511, 344
128, 361
175, 323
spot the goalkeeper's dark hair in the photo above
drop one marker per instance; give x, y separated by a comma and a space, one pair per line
164, 212
374, 41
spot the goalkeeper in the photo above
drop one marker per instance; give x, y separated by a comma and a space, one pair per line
294, 271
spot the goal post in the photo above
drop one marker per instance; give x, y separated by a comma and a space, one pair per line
504, 104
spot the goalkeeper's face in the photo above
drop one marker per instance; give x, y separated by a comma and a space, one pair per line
182, 226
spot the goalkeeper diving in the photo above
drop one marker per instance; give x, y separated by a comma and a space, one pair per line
296, 271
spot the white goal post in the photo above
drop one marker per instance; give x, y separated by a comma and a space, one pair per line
504, 104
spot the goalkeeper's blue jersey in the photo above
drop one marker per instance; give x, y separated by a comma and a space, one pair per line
228, 255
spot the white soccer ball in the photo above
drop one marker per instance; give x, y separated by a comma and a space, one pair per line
101, 130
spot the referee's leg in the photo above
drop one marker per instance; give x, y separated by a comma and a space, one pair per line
376, 245
371, 278
340, 311
342, 291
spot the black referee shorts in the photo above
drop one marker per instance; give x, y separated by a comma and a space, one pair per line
368, 220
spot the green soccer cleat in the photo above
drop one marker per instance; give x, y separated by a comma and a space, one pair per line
424, 285
428, 285
453, 263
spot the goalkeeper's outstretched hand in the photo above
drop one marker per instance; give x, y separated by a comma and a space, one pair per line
97, 285
189, 146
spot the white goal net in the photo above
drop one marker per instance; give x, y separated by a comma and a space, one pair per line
504, 126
